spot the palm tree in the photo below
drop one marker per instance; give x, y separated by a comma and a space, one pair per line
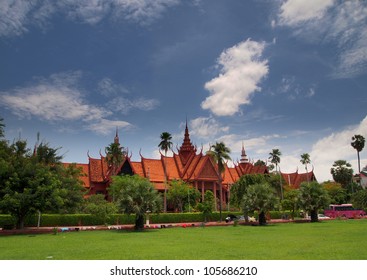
358, 144
305, 159
220, 153
275, 159
165, 145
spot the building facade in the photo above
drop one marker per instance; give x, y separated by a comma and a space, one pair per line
187, 164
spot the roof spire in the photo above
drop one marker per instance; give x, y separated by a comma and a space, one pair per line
117, 139
244, 158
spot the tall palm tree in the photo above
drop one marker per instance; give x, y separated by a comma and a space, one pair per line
358, 144
275, 159
165, 145
220, 153
305, 159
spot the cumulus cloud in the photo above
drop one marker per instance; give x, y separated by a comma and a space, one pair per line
342, 23
17, 16
294, 12
53, 99
109, 88
241, 70
337, 146
206, 128
58, 99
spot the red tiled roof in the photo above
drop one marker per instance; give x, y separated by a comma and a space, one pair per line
171, 168
295, 179
96, 171
153, 169
85, 172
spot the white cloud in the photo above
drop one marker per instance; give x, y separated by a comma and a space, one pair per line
104, 126
206, 128
341, 23
54, 99
109, 88
294, 12
337, 146
125, 105
16, 16
241, 69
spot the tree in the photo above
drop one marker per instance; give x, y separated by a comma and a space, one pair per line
220, 153
261, 198
342, 173
359, 199
357, 143
239, 188
312, 197
207, 206
165, 145
275, 159
337, 194
182, 194
305, 160
290, 201
29, 183
135, 195
97, 205
115, 155
2, 126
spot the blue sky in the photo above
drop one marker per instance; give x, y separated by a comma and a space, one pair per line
288, 74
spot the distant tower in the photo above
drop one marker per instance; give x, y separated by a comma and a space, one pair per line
117, 139
244, 158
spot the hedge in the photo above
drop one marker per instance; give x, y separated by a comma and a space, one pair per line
59, 220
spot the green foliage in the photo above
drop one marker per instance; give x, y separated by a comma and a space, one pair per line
32, 182
312, 197
207, 206
359, 199
99, 207
181, 194
115, 155
290, 201
136, 195
259, 197
165, 143
342, 172
337, 194
238, 189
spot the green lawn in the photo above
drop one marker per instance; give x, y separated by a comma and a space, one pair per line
329, 240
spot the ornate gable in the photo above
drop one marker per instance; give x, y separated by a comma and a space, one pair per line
206, 170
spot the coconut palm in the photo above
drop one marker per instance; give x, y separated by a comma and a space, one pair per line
165, 145
358, 144
220, 152
275, 159
305, 159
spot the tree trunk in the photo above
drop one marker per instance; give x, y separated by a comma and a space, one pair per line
139, 222
314, 216
20, 222
262, 218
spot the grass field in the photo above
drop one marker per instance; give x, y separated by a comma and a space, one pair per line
327, 240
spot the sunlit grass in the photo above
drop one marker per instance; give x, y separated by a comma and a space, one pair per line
340, 239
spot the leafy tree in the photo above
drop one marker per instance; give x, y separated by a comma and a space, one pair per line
220, 153
342, 173
207, 206
165, 145
115, 155
357, 143
290, 201
305, 160
182, 194
97, 205
312, 197
32, 182
337, 194
359, 199
260, 163
239, 188
261, 198
135, 195
274, 157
